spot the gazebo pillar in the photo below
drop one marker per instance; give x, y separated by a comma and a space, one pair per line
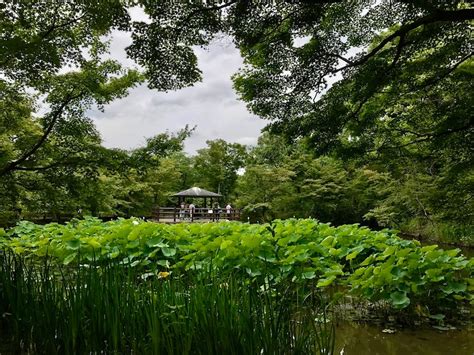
205, 202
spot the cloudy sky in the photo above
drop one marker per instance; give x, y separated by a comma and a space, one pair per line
211, 105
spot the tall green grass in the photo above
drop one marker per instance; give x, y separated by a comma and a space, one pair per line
115, 309
442, 232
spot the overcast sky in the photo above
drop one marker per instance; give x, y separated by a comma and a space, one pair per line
211, 105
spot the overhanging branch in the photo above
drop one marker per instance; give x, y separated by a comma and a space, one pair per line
439, 16
54, 118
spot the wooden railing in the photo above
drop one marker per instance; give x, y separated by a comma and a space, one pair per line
176, 214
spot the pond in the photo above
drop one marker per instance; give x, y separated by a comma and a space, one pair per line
357, 339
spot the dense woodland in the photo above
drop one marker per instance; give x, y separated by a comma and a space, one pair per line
390, 144
369, 114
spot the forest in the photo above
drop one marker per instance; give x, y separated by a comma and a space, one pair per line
357, 152
368, 149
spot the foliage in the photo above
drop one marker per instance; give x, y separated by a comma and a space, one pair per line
377, 110
266, 193
290, 181
216, 166
399, 63
117, 309
373, 265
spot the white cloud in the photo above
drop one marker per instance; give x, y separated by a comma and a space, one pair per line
211, 105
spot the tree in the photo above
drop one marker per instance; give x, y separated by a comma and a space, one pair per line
217, 165
292, 49
63, 135
283, 81
300, 184
265, 193
52, 61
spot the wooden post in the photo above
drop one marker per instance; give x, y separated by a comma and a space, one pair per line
174, 214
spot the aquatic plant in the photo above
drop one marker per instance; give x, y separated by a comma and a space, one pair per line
375, 265
116, 309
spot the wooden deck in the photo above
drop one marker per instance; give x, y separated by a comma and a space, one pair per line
177, 215
161, 215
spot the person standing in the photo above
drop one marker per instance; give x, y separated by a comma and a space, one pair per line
182, 210
228, 210
186, 211
217, 211
192, 207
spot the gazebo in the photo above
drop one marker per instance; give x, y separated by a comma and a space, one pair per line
197, 192
203, 213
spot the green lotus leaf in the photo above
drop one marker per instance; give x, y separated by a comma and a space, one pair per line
68, 259
399, 299
326, 282
308, 275
168, 251
156, 242
73, 244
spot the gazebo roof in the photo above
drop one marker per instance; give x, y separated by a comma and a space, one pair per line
196, 192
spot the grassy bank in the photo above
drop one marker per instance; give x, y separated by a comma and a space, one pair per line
440, 232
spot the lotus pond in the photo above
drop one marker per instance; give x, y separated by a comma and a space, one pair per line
184, 288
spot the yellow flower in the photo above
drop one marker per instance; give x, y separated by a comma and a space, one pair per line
163, 274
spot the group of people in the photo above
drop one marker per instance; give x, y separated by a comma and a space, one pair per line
188, 211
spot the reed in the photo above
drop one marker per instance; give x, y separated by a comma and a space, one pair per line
116, 309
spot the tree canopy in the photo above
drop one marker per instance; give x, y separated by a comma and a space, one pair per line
369, 106
389, 50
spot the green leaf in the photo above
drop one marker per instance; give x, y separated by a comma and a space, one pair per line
94, 243
335, 252
68, 259
156, 242
308, 275
73, 244
168, 251
367, 260
115, 252
437, 316
434, 275
164, 263
457, 287
389, 251
133, 244
399, 299
253, 273
326, 282
429, 248
328, 242
226, 243
354, 254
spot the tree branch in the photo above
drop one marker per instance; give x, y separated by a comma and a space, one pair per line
428, 136
434, 80
439, 16
56, 164
400, 46
61, 25
54, 118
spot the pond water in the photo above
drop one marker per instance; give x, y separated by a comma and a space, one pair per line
468, 252
355, 339
365, 339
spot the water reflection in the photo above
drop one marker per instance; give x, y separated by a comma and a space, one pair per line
353, 339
